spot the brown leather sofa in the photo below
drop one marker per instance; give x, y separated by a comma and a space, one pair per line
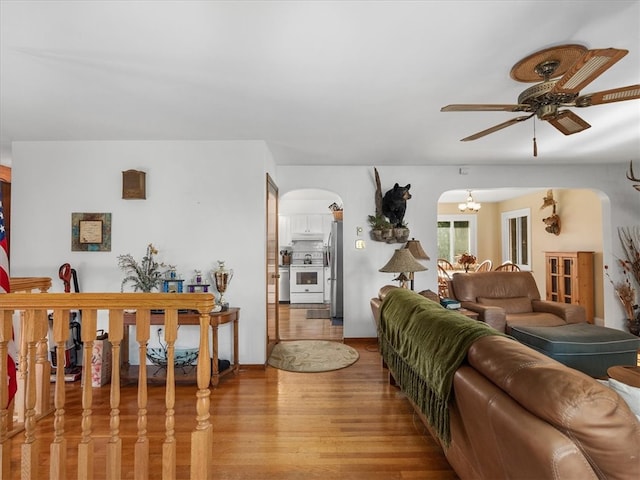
503, 299
518, 414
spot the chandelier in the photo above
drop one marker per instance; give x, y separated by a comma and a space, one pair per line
470, 204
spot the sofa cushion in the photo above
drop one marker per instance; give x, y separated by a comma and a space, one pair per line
509, 304
467, 287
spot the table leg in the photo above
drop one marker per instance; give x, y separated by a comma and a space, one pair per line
236, 358
215, 373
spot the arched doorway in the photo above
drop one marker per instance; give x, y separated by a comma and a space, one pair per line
308, 239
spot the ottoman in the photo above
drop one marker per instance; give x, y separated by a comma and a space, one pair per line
589, 348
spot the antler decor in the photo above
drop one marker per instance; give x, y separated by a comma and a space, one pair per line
632, 177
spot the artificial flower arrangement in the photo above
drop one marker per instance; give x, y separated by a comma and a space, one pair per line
466, 260
630, 266
145, 275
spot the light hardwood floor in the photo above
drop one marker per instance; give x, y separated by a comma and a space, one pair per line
294, 325
270, 424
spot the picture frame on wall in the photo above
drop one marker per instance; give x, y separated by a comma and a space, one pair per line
90, 232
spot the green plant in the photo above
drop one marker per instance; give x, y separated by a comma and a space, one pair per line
378, 222
145, 276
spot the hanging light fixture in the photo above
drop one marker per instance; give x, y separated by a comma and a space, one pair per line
470, 204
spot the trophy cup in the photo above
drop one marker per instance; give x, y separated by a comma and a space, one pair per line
222, 277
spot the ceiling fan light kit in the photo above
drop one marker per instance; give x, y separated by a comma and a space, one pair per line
562, 72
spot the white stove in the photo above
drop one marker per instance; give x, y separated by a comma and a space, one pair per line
307, 277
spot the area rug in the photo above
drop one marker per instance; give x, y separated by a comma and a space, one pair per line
312, 314
298, 306
310, 356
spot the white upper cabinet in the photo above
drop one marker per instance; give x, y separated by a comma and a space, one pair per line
311, 226
306, 223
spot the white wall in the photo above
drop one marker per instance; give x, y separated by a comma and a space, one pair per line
205, 202
356, 187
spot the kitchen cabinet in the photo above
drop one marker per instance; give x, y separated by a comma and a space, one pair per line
569, 278
284, 230
306, 223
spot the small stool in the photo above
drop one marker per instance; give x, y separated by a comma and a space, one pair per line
589, 348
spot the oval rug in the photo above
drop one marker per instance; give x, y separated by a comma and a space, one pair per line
312, 356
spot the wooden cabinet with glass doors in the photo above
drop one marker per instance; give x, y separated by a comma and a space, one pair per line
570, 279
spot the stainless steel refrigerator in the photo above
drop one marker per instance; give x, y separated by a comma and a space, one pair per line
335, 262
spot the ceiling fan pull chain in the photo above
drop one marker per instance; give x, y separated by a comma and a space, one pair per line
535, 145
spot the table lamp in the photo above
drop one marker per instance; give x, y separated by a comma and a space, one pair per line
418, 253
404, 263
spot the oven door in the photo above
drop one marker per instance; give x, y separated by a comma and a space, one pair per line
307, 284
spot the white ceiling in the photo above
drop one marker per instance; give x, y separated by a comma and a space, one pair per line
323, 82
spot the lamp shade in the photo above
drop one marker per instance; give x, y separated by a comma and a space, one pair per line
416, 250
402, 261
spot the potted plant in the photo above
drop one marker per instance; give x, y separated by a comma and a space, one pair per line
146, 275
337, 211
381, 229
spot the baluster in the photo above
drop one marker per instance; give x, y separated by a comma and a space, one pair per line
202, 436
5, 420
114, 446
33, 321
141, 454
58, 447
86, 445
19, 399
43, 371
169, 446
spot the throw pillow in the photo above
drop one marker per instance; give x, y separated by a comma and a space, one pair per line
629, 394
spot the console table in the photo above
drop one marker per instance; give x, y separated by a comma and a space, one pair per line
232, 315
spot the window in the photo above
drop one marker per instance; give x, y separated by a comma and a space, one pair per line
516, 237
456, 235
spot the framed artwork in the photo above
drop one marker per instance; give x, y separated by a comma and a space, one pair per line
90, 232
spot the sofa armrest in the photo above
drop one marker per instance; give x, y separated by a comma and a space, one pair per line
568, 312
495, 317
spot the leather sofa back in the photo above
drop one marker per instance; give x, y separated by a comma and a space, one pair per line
589, 414
468, 287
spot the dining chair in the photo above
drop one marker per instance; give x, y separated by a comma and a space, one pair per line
507, 267
443, 282
485, 266
445, 264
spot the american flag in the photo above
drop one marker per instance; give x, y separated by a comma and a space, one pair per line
5, 288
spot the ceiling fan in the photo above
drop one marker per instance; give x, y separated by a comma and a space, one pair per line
577, 67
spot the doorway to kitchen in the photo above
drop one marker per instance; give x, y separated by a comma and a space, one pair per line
310, 269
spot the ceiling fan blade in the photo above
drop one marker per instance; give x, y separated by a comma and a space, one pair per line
587, 69
568, 122
609, 96
495, 128
470, 107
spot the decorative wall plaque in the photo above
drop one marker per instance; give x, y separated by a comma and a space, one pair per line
134, 185
90, 232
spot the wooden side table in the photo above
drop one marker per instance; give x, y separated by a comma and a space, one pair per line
231, 315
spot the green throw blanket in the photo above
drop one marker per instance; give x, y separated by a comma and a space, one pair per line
424, 344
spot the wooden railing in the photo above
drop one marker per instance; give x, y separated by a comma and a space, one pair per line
43, 367
35, 325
